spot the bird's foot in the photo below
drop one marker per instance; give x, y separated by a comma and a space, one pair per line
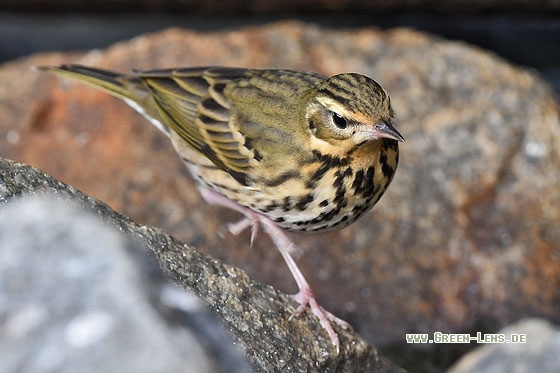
248, 221
305, 297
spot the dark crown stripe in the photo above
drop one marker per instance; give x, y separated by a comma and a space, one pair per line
342, 90
336, 96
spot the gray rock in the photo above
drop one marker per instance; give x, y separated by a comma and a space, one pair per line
540, 353
72, 299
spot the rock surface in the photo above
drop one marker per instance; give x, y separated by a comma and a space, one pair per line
54, 325
467, 234
72, 299
538, 354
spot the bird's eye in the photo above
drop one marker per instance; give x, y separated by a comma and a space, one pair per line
339, 120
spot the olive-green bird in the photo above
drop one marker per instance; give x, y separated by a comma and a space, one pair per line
286, 149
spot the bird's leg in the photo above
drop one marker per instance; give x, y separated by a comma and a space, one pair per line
286, 247
250, 220
305, 294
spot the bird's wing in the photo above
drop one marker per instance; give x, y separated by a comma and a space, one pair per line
238, 118
192, 103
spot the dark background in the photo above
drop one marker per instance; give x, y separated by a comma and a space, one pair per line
524, 32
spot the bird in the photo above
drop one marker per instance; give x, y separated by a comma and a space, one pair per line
289, 150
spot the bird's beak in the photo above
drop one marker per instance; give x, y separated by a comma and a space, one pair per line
384, 129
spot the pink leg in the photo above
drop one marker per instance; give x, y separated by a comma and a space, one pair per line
286, 247
214, 198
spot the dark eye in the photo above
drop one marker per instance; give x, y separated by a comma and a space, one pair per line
339, 120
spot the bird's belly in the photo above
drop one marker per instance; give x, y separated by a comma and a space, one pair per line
327, 205
317, 217
301, 212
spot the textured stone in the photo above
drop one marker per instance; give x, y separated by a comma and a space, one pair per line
466, 235
72, 299
256, 315
538, 354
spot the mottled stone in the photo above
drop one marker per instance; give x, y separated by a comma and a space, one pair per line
538, 352
72, 298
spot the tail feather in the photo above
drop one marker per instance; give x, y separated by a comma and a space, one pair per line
126, 87
119, 85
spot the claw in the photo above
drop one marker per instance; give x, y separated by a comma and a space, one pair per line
305, 297
251, 218
254, 228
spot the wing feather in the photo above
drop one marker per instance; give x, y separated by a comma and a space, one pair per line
193, 104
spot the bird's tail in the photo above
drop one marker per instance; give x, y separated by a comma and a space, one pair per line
120, 85
126, 87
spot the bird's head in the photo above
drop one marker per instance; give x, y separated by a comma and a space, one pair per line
348, 110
